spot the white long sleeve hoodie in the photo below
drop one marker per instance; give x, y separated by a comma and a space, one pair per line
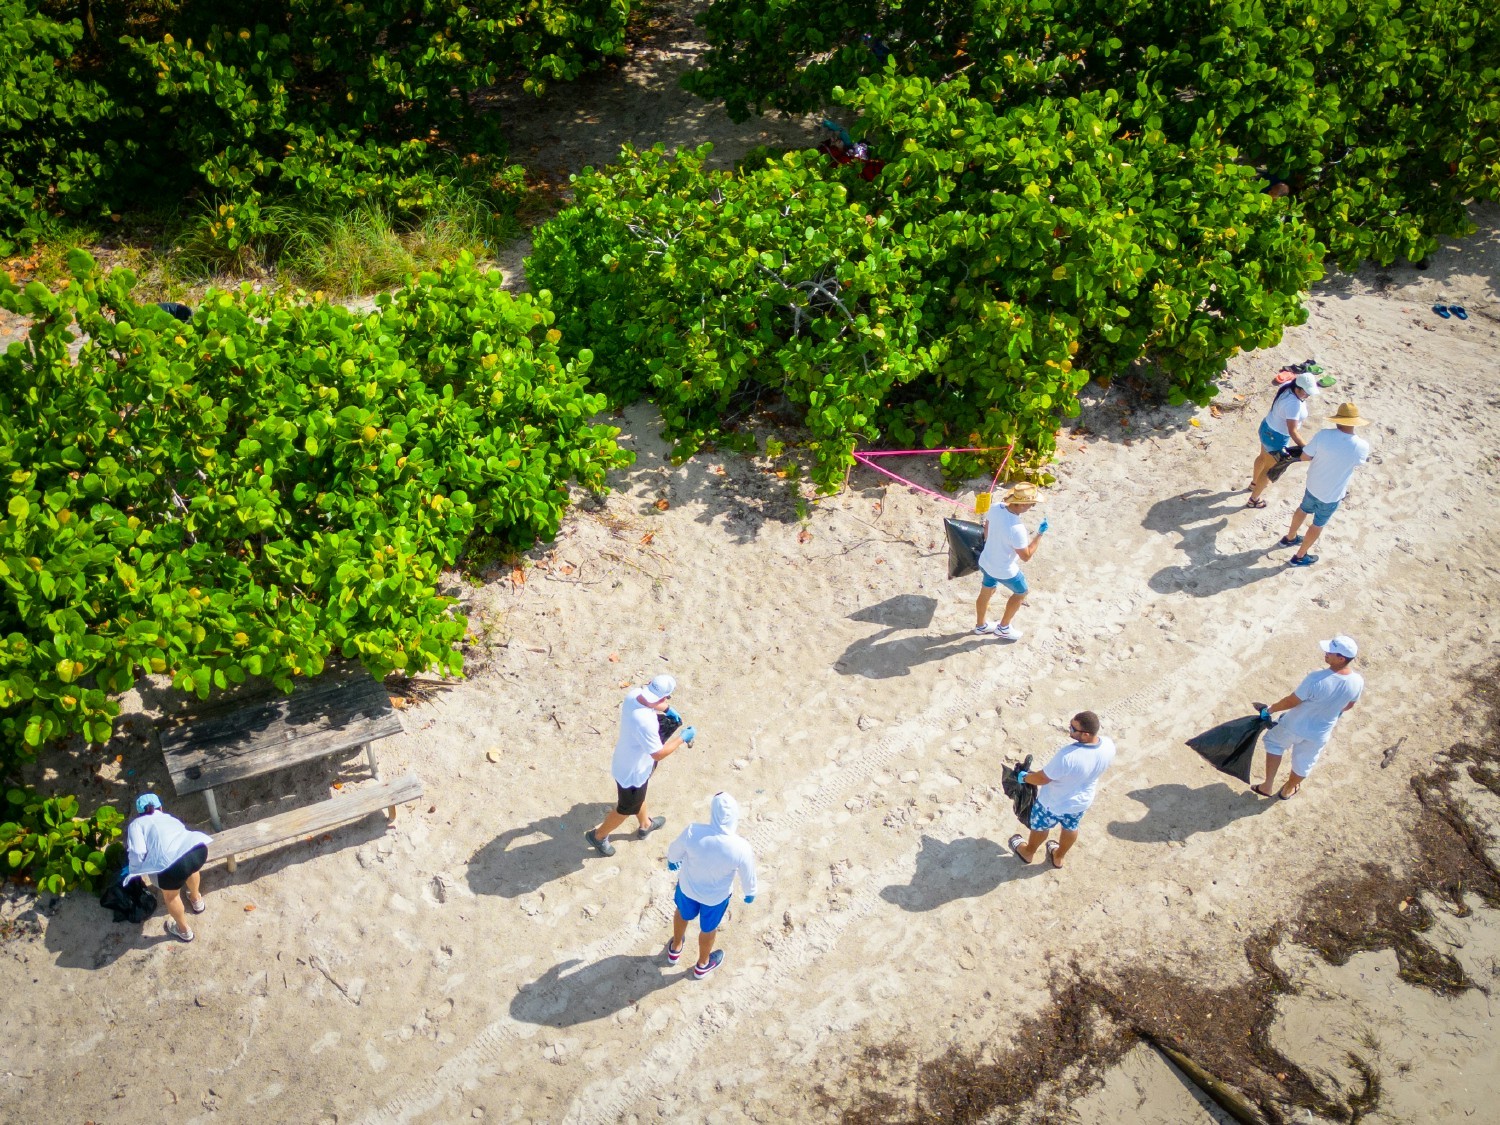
712, 854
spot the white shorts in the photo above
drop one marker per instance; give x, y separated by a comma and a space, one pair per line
1304, 751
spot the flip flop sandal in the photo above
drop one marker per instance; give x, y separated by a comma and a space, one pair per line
1259, 792
1014, 843
1441, 310
1052, 846
1257, 504
1459, 311
1327, 381
1289, 796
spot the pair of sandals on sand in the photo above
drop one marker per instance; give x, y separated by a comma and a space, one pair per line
1445, 311
1052, 845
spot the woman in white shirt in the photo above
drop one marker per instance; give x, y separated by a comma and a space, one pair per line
1279, 429
170, 852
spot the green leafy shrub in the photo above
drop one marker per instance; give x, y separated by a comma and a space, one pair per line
252, 102
45, 841
1010, 246
1380, 114
273, 484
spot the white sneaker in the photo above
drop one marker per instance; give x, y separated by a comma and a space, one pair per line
1006, 633
981, 630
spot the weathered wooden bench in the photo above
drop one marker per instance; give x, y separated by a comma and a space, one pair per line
348, 805
332, 714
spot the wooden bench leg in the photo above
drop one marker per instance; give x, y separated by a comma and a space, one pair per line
213, 811
390, 815
370, 757
229, 865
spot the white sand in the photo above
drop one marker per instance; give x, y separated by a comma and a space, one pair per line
475, 960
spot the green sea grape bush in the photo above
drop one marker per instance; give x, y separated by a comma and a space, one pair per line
274, 484
46, 842
247, 102
1380, 114
962, 298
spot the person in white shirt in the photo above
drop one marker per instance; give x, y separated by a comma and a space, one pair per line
707, 857
1313, 711
1334, 454
1280, 429
637, 752
1065, 788
1006, 547
171, 853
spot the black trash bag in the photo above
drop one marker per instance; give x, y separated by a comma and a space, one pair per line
1284, 460
1230, 747
667, 724
176, 310
132, 902
965, 541
1022, 796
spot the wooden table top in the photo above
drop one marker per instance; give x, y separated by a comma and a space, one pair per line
326, 715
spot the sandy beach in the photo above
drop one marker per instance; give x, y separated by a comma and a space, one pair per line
476, 961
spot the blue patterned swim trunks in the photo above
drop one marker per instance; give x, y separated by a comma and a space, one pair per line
1042, 819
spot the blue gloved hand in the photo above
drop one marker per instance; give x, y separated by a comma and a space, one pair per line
1265, 712
688, 734
673, 715
1043, 529
673, 866
1021, 776
749, 899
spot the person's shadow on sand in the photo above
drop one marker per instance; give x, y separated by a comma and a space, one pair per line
886, 654
962, 868
499, 869
1175, 811
567, 995
83, 935
1198, 517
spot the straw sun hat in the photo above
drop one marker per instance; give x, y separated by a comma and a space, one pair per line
1024, 493
1348, 415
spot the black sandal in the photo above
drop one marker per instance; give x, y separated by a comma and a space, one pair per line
1253, 503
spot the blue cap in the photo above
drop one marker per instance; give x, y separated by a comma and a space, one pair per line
147, 801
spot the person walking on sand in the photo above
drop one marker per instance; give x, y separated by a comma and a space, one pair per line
1006, 547
1065, 789
166, 849
1334, 454
707, 857
638, 750
1313, 711
1279, 429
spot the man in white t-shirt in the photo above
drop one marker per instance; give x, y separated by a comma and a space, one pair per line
1006, 547
1313, 711
1065, 789
637, 752
1334, 454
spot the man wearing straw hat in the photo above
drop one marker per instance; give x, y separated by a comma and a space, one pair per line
1006, 547
1334, 454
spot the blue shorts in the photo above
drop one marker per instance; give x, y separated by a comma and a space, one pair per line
1043, 819
1016, 585
1320, 512
1270, 440
708, 917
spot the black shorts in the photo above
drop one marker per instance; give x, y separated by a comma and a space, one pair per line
173, 878
630, 800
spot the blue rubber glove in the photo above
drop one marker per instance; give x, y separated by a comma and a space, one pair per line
1043, 529
673, 715
749, 899
673, 866
1265, 712
688, 734
1021, 776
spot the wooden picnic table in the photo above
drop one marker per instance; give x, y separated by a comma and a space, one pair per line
327, 715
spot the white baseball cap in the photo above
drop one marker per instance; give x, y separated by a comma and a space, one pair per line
664, 685
1340, 645
1307, 382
